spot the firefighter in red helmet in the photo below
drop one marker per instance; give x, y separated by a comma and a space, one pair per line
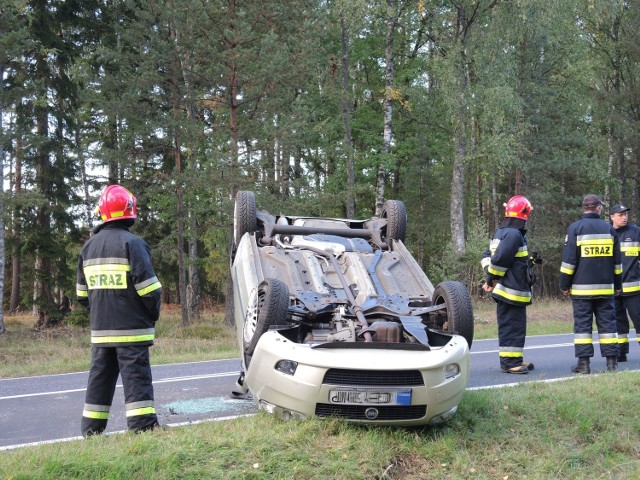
118, 285
506, 265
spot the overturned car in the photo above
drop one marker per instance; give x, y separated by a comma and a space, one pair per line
336, 319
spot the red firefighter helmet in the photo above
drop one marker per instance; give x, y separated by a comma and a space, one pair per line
518, 207
116, 203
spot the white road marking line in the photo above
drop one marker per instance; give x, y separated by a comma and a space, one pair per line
533, 347
172, 425
155, 382
550, 380
153, 367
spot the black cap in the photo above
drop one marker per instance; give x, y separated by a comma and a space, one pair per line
618, 208
591, 201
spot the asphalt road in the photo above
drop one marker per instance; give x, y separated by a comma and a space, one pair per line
46, 409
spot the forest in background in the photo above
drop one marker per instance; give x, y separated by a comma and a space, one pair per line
321, 107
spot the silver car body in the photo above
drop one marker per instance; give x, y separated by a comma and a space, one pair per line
317, 362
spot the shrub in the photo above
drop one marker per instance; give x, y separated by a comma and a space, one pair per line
78, 317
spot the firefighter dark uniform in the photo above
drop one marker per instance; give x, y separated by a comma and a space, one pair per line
591, 272
118, 285
505, 264
629, 300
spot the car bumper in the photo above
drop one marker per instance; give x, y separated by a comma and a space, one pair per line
434, 390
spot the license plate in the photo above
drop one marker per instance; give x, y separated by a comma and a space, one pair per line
369, 396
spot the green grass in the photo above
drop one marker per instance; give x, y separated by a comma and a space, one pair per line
25, 351
544, 317
586, 428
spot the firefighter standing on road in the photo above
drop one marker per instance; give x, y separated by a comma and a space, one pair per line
118, 285
505, 264
591, 272
629, 300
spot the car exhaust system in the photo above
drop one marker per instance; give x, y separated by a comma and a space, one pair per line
357, 309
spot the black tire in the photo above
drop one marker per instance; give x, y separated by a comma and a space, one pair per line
459, 308
268, 306
244, 215
396, 214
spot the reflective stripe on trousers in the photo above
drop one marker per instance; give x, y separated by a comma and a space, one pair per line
107, 363
512, 330
583, 313
626, 305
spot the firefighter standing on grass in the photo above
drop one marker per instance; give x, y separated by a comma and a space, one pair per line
118, 285
629, 300
591, 272
505, 264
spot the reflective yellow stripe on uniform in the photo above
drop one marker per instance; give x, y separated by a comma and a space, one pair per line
608, 338
594, 239
147, 286
485, 262
99, 412
522, 252
631, 287
510, 352
567, 268
592, 289
497, 271
145, 407
623, 338
599, 245
511, 294
123, 339
630, 249
106, 273
582, 339
81, 291
493, 246
122, 336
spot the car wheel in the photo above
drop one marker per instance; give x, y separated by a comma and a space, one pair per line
244, 215
396, 214
268, 306
459, 308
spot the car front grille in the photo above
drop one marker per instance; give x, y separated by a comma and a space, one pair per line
374, 378
357, 412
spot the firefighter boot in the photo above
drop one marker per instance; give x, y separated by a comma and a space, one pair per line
582, 366
612, 364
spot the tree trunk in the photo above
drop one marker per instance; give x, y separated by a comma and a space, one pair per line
392, 21
16, 261
43, 299
610, 166
113, 175
285, 180
182, 272
460, 142
85, 184
346, 120
178, 66
423, 170
233, 127
2, 257
194, 291
457, 192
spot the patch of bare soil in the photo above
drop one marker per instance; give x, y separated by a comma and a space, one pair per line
408, 467
55, 332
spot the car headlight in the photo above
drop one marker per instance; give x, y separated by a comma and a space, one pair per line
451, 370
288, 367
